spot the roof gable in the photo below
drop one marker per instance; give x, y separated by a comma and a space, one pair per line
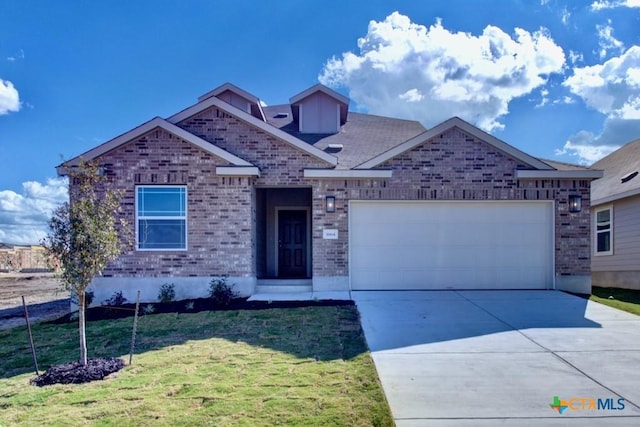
319, 88
237, 97
229, 87
252, 121
152, 124
315, 91
464, 126
618, 168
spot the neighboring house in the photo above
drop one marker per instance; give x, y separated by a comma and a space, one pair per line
310, 196
615, 212
21, 258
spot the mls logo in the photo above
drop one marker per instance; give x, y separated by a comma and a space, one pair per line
558, 405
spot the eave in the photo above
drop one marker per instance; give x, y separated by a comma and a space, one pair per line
155, 123
237, 171
348, 173
319, 88
558, 174
614, 197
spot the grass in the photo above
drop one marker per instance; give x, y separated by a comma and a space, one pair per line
623, 299
299, 366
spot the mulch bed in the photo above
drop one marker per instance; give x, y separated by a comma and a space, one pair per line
75, 373
190, 306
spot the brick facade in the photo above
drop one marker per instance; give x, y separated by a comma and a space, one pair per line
454, 166
214, 203
222, 210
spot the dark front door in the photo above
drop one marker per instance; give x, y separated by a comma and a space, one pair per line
292, 243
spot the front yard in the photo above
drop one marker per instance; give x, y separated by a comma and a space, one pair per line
622, 299
296, 366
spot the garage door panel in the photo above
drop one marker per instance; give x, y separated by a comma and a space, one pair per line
386, 257
451, 245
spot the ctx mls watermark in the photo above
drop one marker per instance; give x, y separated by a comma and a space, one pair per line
587, 404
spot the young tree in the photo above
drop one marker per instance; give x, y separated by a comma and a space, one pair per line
84, 235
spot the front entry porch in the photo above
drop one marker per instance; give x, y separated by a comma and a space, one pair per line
284, 247
283, 239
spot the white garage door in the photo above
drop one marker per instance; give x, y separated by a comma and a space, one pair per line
451, 245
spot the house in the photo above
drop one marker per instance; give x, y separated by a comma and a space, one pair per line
22, 258
311, 196
615, 215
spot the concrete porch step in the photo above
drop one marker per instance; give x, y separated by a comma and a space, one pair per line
293, 290
301, 296
288, 288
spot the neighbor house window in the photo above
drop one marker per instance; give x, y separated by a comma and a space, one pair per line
604, 231
161, 217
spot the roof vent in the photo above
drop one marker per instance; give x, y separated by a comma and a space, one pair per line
281, 115
628, 177
334, 148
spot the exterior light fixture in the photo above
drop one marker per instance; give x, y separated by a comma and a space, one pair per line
330, 204
575, 203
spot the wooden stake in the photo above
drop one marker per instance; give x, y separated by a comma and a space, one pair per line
33, 350
135, 326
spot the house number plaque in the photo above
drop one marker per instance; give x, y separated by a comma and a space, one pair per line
329, 234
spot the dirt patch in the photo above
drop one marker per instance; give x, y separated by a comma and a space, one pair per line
43, 293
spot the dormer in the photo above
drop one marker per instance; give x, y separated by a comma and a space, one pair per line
319, 110
237, 97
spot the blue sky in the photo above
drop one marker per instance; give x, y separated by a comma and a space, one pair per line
557, 79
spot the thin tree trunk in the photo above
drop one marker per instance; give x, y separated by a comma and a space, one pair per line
81, 330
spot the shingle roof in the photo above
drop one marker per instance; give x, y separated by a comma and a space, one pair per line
562, 166
363, 137
617, 165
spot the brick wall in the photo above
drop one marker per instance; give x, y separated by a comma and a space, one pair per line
453, 166
221, 216
280, 164
221, 210
220, 213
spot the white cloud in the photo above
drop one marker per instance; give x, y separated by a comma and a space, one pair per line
611, 4
575, 57
564, 100
612, 88
412, 95
430, 74
544, 94
9, 98
14, 58
24, 217
566, 15
607, 41
588, 148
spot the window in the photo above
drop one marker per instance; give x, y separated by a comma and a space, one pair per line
603, 234
161, 218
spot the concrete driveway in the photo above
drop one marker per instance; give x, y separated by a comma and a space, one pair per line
500, 357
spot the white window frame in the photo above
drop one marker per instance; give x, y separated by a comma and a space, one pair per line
596, 232
172, 217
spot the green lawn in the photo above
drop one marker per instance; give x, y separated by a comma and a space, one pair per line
623, 299
297, 366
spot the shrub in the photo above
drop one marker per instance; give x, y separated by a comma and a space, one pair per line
189, 306
148, 309
116, 299
167, 293
88, 298
220, 292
